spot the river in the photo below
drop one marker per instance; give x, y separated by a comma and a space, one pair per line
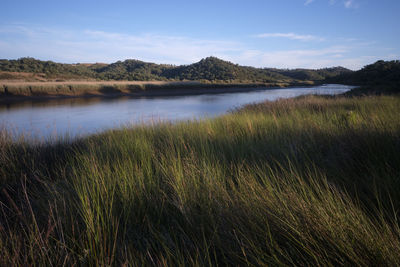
72, 117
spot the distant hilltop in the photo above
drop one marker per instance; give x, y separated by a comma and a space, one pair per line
210, 69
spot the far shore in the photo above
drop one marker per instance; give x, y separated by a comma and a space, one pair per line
15, 91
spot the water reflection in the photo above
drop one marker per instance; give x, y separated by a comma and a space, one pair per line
79, 116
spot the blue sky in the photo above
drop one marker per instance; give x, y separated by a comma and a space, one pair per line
261, 33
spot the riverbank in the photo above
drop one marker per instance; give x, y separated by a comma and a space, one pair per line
11, 91
304, 181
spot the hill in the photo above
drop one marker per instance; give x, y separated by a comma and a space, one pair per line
314, 75
380, 77
49, 69
132, 70
210, 69
213, 68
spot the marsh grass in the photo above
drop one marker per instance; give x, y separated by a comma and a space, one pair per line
100, 88
305, 181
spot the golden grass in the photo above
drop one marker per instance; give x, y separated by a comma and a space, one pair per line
99, 88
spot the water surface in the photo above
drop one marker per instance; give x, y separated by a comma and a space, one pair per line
78, 117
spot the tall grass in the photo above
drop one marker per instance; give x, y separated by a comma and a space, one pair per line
305, 181
99, 88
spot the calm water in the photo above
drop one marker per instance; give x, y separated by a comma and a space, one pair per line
77, 117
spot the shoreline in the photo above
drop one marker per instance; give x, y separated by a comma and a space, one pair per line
15, 92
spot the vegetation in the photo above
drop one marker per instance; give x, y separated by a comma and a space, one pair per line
305, 181
132, 70
380, 77
48, 68
210, 69
115, 88
314, 75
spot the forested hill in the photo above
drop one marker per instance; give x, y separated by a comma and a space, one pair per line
314, 75
209, 69
132, 69
48, 68
382, 76
213, 68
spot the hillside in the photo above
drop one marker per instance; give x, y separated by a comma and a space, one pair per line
132, 70
210, 69
213, 68
48, 69
380, 77
314, 75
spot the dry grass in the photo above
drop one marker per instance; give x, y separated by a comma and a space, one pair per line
99, 88
77, 88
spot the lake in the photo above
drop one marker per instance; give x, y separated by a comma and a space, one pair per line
74, 117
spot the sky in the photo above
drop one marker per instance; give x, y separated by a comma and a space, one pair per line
259, 33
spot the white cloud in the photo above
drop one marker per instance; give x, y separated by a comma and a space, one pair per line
346, 3
292, 36
309, 58
100, 46
350, 4
308, 2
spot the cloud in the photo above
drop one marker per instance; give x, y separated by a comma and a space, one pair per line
346, 3
100, 46
308, 2
291, 36
310, 58
350, 4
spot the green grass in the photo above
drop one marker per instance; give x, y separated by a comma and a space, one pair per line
305, 181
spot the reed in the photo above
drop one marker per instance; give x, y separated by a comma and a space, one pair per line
104, 88
304, 181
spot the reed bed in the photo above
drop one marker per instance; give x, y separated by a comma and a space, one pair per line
100, 88
304, 181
